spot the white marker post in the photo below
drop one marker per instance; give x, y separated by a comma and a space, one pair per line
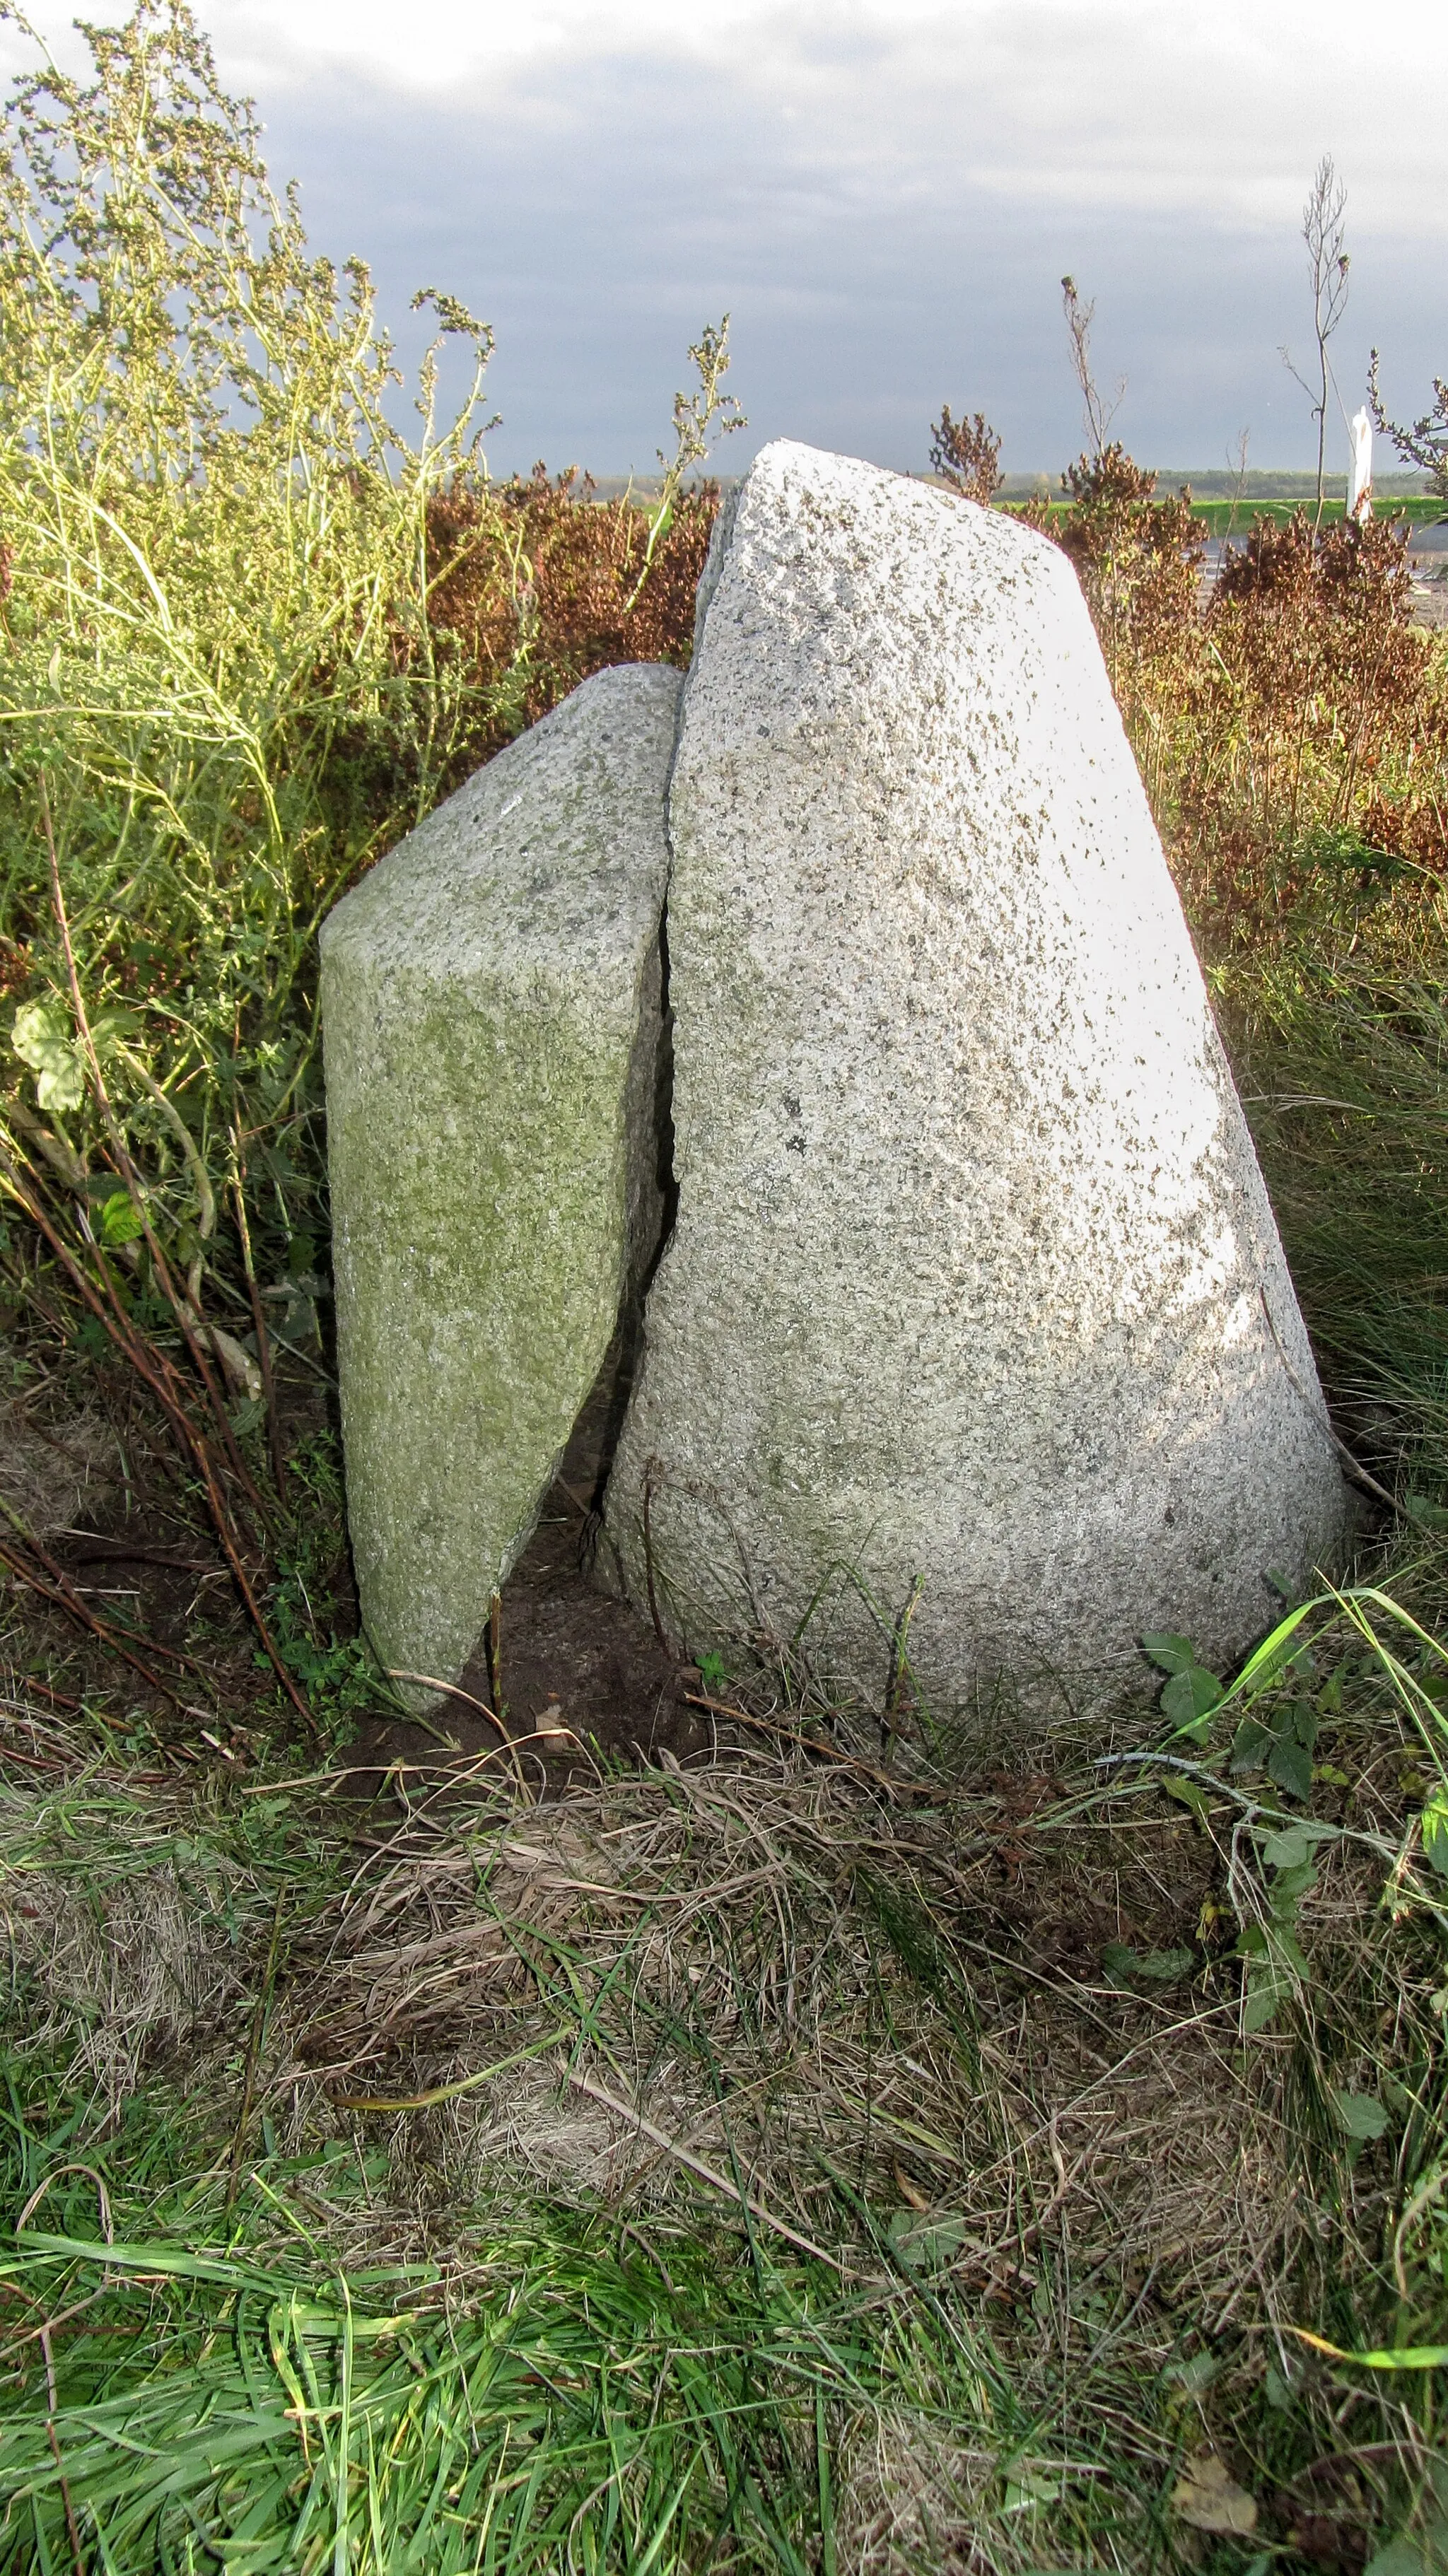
1360, 478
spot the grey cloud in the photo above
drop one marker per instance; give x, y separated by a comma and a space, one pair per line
887, 218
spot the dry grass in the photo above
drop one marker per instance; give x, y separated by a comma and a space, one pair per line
840, 2004
50, 1474
1063, 2217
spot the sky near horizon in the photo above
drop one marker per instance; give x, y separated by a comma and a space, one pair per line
884, 194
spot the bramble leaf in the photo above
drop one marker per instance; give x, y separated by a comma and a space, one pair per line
1190, 1694
1251, 1745
1360, 2115
121, 1219
1290, 1765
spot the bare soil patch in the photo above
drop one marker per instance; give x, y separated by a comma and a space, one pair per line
578, 1679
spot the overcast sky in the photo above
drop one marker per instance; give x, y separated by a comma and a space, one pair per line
884, 196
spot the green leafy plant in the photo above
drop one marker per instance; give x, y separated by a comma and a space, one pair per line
1265, 1725
241, 658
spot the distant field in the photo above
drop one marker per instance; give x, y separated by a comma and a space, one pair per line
1215, 498
1221, 517
1210, 483
1423, 509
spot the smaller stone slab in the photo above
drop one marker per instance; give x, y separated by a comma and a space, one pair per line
491, 1010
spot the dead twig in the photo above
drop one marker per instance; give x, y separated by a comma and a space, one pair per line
263, 1338
255, 2036
695, 2165
821, 1744
76, 1609
156, 1373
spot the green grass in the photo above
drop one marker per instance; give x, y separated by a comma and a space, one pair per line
1345, 1080
1058, 2201
563, 2406
1221, 518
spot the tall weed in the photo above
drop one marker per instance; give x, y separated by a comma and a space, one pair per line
252, 630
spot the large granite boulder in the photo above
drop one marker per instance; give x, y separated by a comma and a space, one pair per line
974, 1279
491, 1007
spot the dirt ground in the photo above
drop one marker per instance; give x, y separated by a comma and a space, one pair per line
573, 1683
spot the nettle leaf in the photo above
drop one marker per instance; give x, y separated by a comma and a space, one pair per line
1187, 1794
1207, 2498
1268, 1989
925, 2244
1290, 1765
1029, 2487
1287, 1850
1360, 2116
1251, 1745
1295, 1844
121, 1219
1413, 2553
1290, 1886
1172, 1654
46, 1042
1192, 1693
1276, 1969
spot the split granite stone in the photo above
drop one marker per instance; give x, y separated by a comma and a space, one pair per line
974, 1283
491, 1007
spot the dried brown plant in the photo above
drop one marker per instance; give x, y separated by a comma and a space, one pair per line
544, 565
1313, 715
966, 454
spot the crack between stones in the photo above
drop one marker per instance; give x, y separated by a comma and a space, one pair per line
608, 1399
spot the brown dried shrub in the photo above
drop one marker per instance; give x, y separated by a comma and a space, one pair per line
1314, 725
966, 454
1303, 613
1411, 829
1290, 721
540, 583
1139, 562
